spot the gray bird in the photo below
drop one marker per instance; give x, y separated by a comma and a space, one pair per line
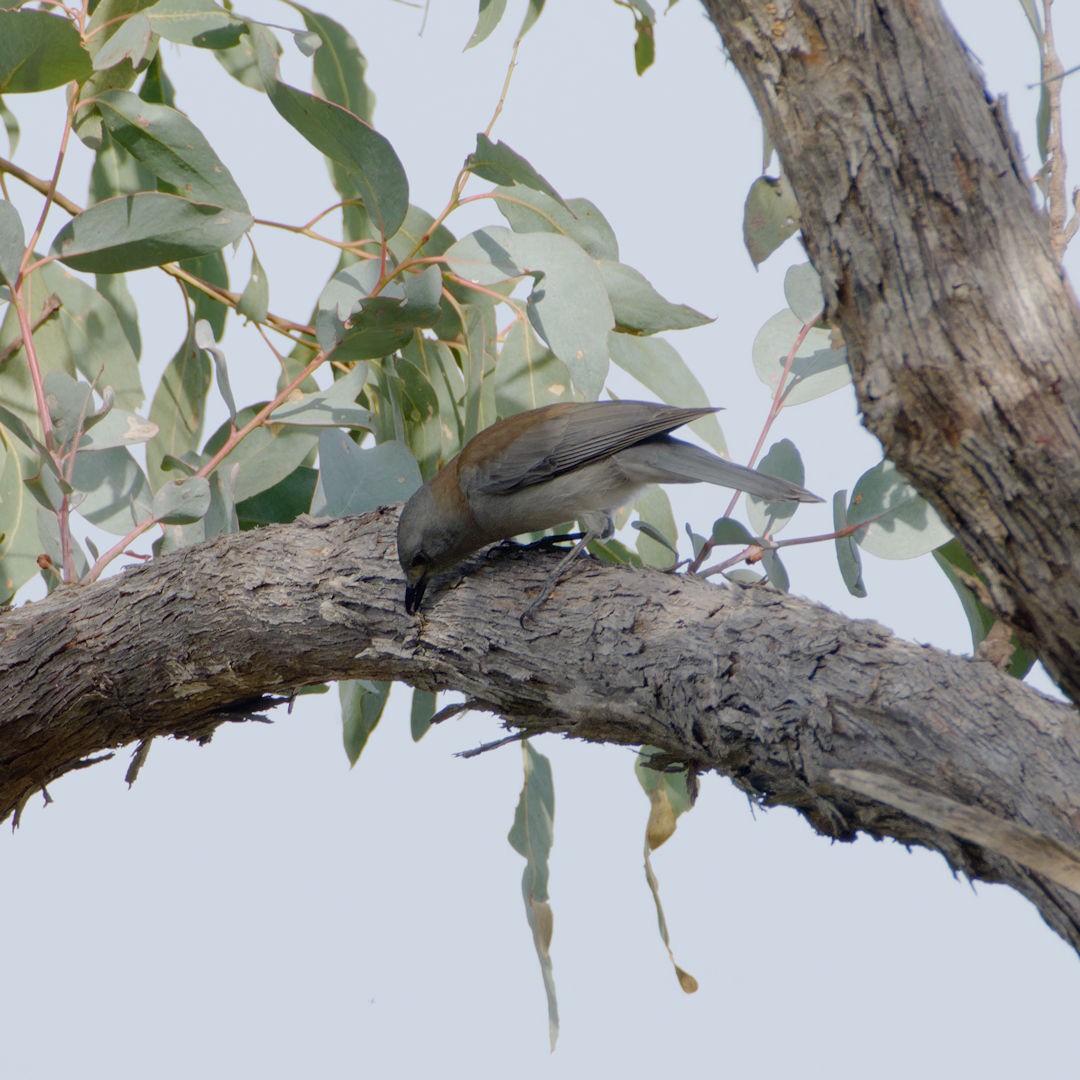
573, 461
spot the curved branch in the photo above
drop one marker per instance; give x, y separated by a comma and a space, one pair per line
963, 335
796, 704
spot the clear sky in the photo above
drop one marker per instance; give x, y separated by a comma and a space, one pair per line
255, 908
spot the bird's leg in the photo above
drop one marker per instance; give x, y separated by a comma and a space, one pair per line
584, 539
546, 542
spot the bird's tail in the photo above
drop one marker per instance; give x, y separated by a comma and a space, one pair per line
672, 461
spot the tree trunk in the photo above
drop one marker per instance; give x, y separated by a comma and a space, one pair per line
963, 336
796, 704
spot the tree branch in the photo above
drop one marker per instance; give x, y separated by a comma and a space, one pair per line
962, 333
785, 697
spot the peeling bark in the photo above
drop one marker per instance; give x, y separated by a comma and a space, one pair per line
963, 336
798, 705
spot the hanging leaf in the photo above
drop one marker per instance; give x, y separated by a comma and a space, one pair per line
639, 308
577, 219
362, 704
785, 461
501, 165
531, 837
39, 51
178, 408
770, 216
818, 367
353, 480
847, 552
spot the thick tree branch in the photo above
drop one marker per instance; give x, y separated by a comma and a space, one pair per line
796, 704
962, 333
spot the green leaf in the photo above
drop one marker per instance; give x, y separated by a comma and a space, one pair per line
116, 493
171, 147
178, 408
644, 45
802, 290
131, 41
568, 305
417, 223
528, 374
339, 68
19, 543
639, 308
770, 216
491, 11
204, 338
531, 837
131, 232
656, 365
900, 523
659, 533
210, 268
353, 480
785, 461
964, 577
501, 165
362, 704
356, 325
201, 23
285, 501
369, 159
48, 534
39, 51
182, 500
847, 553
335, 407
12, 242
817, 368
579, 220
255, 299
436, 365
728, 531
113, 287
115, 171
423, 709
778, 575
11, 126
265, 456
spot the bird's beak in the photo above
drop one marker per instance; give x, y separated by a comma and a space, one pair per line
414, 594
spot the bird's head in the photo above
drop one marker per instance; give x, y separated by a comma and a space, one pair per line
430, 539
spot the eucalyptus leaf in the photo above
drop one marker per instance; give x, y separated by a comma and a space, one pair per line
354, 479
784, 460
39, 51
178, 408
639, 308
182, 500
501, 165
362, 705
528, 211
847, 552
12, 242
802, 290
770, 216
335, 407
818, 367
899, 522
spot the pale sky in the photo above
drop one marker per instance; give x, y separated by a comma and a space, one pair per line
255, 908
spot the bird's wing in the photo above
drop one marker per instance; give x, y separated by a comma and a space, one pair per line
570, 436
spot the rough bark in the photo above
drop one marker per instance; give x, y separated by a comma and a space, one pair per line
963, 336
796, 704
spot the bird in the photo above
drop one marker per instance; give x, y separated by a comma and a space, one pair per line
570, 461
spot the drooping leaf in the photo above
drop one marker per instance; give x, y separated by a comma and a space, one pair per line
150, 228
406, 242
770, 216
423, 709
204, 339
775, 569
171, 147
818, 367
528, 211
658, 532
353, 479
531, 837
900, 523
39, 51
12, 242
501, 165
210, 268
639, 308
656, 365
362, 704
373, 166
491, 11
131, 41
11, 128
255, 299
847, 552
785, 461
669, 799
113, 287
178, 408
285, 501
727, 531
340, 67
19, 543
